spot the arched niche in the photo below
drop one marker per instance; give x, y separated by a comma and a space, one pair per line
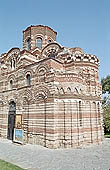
11, 119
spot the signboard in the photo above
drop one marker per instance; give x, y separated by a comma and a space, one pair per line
18, 122
18, 135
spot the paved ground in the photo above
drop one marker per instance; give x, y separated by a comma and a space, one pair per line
34, 157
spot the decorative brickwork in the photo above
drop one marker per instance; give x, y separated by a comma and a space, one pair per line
59, 100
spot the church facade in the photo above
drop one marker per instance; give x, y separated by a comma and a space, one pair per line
51, 92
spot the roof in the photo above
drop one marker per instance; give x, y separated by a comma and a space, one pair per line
47, 27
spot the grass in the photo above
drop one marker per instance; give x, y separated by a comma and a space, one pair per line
8, 166
107, 135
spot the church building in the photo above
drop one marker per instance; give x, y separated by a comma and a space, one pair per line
50, 95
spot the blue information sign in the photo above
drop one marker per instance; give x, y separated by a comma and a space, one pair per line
18, 135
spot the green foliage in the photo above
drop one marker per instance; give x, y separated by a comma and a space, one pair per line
107, 135
106, 84
107, 117
8, 166
106, 102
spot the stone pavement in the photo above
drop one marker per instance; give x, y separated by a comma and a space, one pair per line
35, 157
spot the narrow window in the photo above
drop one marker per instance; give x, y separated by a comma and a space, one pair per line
29, 44
11, 84
39, 42
80, 113
28, 77
11, 64
49, 41
14, 63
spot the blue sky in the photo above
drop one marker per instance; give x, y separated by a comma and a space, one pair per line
79, 23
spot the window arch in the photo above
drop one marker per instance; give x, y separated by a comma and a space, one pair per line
28, 78
39, 42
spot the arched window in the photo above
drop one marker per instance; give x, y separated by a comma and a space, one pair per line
39, 42
29, 44
11, 84
28, 77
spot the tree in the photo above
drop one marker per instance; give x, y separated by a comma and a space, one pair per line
106, 102
106, 116
106, 84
